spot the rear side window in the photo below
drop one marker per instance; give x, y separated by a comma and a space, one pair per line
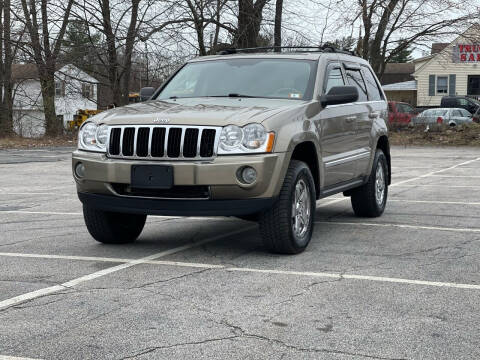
374, 93
465, 113
334, 78
404, 108
457, 113
355, 78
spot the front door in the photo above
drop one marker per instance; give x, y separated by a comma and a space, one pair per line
337, 128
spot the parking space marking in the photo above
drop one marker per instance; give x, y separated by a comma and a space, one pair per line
434, 202
338, 276
404, 226
361, 277
3, 357
440, 185
435, 172
38, 212
457, 176
72, 283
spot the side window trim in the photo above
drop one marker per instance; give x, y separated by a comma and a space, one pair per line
354, 67
332, 66
379, 87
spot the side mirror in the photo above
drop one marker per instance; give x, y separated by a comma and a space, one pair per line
339, 95
146, 93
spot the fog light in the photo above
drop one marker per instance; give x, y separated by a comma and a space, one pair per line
80, 170
248, 175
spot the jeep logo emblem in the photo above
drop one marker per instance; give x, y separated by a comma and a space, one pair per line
161, 121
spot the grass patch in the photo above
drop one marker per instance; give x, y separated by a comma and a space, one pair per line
438, 135
17, 142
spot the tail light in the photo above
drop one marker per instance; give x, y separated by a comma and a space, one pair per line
439, 120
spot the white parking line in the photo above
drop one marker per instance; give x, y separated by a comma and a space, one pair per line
435, 202
127, 263
38, 212
72, 283
403, 226
441, 185
435, 172
3, 357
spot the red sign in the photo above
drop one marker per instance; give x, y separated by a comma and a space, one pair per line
469, 53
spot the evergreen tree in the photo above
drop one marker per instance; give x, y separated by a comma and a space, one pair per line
404, 55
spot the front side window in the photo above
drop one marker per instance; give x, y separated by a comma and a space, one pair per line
355, 78
256, 77
442, 85
334, 78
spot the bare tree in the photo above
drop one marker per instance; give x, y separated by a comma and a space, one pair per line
45, 44
6, 60
388, 27
250, 16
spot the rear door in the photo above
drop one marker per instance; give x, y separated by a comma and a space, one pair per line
338, 131
371, 106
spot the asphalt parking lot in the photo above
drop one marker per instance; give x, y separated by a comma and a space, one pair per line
403, 286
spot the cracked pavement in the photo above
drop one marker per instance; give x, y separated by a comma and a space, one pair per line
212, 311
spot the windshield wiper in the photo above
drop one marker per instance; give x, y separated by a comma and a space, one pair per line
236, 95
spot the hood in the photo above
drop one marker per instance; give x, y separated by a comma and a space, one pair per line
197, 111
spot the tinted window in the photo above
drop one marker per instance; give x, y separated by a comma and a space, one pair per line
463, 102
465, 113
355, 78
334, 78
374, 93
270, 78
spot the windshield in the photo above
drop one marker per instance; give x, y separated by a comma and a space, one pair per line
263, 78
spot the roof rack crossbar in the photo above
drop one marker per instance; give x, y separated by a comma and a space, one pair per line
322, 48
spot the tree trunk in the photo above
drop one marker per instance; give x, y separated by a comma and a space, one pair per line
249, 21
6, 106
53, 126
277, 32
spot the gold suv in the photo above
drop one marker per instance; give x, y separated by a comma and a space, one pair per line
260, 136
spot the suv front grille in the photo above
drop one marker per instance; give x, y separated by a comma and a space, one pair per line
163, 142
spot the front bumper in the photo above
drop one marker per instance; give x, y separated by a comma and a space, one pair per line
220, 174
147, 206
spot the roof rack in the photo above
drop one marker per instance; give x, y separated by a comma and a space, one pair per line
313, 49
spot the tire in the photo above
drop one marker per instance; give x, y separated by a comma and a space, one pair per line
276, 224
365, 202
113, 228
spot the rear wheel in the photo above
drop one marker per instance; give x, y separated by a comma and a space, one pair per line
287, 227
370, 199
113, 228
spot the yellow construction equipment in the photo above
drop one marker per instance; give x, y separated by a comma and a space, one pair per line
80, 117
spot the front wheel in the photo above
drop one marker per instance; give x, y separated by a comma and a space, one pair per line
287, 227
370, 199
113, 228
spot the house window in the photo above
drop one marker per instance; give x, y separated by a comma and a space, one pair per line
442, 85
59, 88
87, 90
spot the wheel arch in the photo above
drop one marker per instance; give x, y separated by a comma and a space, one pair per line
306, 151
384, 145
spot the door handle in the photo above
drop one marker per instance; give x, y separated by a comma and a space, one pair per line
373, 115
350, 119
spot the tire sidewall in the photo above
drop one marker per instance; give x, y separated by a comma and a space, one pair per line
380, 160
303, 172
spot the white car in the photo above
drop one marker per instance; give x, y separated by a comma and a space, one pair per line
448, 116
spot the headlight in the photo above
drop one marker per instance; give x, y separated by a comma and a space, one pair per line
252, 138
93, 137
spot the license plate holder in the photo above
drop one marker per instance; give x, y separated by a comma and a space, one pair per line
152, 177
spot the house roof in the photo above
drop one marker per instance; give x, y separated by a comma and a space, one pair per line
401, 86
399, 68
24, 71
30, 72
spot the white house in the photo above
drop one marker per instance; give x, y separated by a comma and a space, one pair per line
455, 70
74, 90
